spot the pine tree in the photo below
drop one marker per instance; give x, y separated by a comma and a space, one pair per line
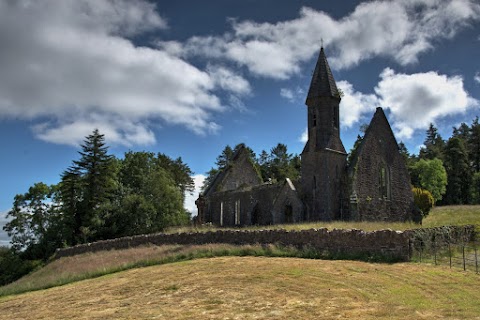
458, 171
434, 145
97, 180
474, 145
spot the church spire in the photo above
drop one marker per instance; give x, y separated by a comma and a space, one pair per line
322, 84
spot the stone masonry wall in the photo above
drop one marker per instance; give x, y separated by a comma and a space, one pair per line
395, 245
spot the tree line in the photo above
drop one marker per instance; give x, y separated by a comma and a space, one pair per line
449, 169
98, 197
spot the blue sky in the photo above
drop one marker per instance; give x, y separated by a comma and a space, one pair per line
187, 78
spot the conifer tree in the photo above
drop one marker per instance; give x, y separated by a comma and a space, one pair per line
458, 172
97, 180
434, 145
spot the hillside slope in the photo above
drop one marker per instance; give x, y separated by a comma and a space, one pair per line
258, 287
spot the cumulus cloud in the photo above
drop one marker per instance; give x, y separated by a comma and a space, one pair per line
401, 30
190, 198
354, 104
415, 100
71, 66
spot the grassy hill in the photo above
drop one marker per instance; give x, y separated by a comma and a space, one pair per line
217, 287
260, 288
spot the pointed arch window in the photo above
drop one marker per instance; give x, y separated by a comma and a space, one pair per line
384, 186
314, 119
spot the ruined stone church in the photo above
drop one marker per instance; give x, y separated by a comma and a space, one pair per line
375, 185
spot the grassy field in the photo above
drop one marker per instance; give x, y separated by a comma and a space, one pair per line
259, 288
453, 215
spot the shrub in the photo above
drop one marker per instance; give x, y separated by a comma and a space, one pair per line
423, 199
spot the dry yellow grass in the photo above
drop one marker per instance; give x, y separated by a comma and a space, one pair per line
259, 288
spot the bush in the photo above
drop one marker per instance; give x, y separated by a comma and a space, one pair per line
423, 200
13, 267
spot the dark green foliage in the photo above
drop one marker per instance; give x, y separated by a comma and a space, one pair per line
473, 143
12, 265
459, 172
434, 145
87, 187
279, 164
461, 159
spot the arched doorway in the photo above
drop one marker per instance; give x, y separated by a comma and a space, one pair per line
255, 217
288, 213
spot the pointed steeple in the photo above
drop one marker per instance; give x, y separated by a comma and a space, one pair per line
322, 84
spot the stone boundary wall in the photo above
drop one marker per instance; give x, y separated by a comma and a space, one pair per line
388, 244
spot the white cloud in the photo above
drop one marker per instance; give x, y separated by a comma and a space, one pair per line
355, 104
287, 94
228, 80
477, 77
292, 95
416, 100
401, 29
190, 198
70, 66
304, 137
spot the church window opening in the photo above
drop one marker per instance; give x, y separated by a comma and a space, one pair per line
314, 182
384, 182
221, 213
314, 119
237, 212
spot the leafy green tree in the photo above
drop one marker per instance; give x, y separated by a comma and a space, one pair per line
152, 195
179, 171
36, 225
432, 177
459, 174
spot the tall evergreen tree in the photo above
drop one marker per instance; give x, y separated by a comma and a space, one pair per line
474, 145
434, 145
458, 171
97, 183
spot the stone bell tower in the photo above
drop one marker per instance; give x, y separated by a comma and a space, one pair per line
324, 157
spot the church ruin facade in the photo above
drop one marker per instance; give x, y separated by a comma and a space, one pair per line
374, 186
